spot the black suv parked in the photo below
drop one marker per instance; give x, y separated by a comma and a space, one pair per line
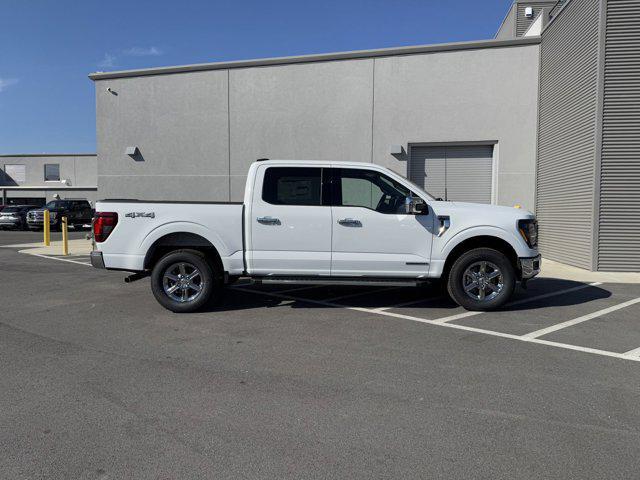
15, 216
77, 211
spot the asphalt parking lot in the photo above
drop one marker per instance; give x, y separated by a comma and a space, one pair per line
99, 381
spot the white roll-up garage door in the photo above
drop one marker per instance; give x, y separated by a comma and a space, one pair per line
455, 173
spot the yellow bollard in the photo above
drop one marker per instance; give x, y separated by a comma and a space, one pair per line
65, 237
46, 226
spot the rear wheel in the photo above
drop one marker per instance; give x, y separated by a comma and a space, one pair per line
481, 279
183, 281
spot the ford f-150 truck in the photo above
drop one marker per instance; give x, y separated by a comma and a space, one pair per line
318, 222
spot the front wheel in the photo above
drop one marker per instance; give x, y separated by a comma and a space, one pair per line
183, 281
481, 279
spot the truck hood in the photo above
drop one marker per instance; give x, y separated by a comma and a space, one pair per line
480, 213
489, 208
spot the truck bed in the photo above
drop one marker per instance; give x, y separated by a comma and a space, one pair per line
142, 223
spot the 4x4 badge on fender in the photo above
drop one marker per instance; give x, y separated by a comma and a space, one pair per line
140, 214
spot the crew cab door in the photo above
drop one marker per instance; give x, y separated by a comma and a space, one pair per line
289, 228
372, 233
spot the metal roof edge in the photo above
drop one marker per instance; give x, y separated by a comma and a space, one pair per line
323, 57
513, 5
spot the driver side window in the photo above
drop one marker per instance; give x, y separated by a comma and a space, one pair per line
368, 189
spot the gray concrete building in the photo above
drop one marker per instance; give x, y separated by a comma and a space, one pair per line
545, 115
36, 178
198, 128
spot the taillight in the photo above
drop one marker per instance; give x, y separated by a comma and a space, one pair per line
103, 225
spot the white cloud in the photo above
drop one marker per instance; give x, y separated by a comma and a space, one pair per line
108, 61
7, 82
143, 51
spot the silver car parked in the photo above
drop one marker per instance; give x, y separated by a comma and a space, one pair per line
15, 216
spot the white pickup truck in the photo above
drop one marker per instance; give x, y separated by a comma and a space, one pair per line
318, 223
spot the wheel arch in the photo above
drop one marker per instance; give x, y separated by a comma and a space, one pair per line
179, 241
480, 241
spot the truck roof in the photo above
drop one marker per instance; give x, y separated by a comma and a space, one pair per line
318, 162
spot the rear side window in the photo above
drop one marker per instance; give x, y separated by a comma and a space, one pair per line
292, 186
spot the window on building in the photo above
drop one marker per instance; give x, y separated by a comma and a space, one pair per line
52, 172
292, 186
15, 174
369, 189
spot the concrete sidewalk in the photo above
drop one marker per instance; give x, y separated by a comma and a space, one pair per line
78, 246
551, 269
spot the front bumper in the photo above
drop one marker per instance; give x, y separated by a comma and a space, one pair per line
96, 259
10, 222
39, 223
530, 267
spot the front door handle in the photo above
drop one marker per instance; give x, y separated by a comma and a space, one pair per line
350, 222
268, 220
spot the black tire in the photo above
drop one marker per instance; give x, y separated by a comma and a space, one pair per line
474, 259
211, 281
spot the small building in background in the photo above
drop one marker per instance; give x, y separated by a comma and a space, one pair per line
34, 179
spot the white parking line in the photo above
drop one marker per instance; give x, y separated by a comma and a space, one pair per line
440, 323
58, 258
368, 292
633, 353
298, 289
576, 321
553, 294
520, 302
406, 304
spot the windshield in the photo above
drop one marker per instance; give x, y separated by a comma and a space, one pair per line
415, 188
55, 204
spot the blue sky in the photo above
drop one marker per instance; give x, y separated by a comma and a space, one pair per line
48, 47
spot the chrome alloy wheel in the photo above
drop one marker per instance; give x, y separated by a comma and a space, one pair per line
182, 282
482, 281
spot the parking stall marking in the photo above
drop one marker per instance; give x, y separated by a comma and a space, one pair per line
533, 337
576, 321
299, 289
633, 355
407, 304
60, 259
359, 294
520, 302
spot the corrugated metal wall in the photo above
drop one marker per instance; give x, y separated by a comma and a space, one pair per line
522, 22
619, 217
567, 134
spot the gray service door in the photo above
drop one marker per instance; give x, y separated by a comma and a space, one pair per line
454, 173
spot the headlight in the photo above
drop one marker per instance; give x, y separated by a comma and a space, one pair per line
52, 215
529, 230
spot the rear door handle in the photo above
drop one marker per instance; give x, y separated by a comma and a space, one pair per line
268, 220
350, 222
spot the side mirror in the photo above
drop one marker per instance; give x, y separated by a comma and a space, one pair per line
416, 206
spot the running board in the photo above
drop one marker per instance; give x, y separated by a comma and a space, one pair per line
385, 282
